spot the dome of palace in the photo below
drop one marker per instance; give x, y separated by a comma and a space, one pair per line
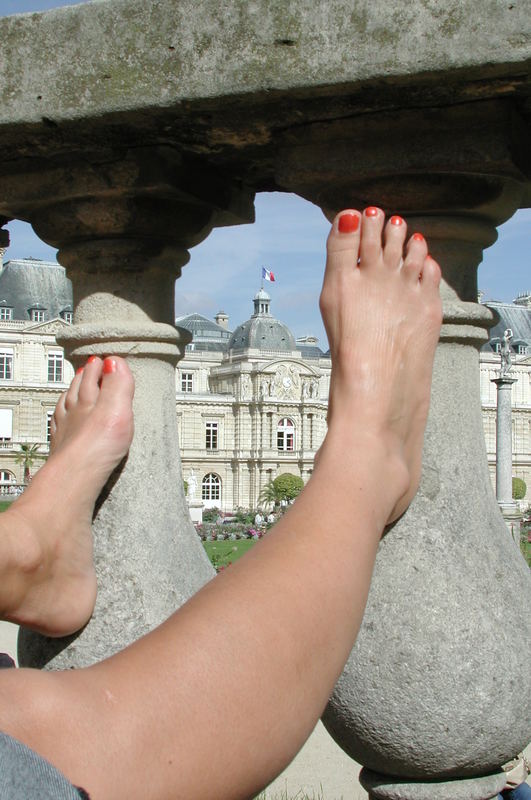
262, 331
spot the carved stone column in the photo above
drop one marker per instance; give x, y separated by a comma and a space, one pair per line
123, 228
432, 699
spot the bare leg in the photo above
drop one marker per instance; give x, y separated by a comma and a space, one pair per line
217, 700
47, 579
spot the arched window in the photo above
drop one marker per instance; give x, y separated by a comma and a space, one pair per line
211, 488
285, 435
7, 481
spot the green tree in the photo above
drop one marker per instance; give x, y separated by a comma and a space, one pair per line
288, 486
283, 487
29, 453
270, 494
519, 489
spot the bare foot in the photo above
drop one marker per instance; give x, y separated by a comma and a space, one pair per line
92, 429
382, 312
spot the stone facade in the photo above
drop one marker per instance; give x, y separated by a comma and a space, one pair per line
33, 370
240, 394
250, 407
516, 317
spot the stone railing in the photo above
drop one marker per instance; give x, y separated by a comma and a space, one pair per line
336, 105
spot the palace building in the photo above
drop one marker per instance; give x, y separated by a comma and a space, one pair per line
251, 402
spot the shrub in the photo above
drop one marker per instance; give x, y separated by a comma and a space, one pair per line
211, 514
519, 489
288, 486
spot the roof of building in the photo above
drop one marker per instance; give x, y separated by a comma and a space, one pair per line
262, 331
28, 283
516, 316
207, 334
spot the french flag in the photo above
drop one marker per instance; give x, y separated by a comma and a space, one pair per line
267, 275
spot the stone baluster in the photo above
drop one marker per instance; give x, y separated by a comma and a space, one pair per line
428, 692
431, 701
123, 230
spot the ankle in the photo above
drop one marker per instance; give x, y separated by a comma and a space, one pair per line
358, 455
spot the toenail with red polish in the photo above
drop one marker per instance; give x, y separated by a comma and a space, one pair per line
418, 237
79, 369
396, 220
372, 211
348, 223
109, 365
91, 359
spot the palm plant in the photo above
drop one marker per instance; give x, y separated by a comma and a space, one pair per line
29, 453
271, 494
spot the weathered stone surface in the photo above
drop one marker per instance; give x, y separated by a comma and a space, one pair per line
433, 687
227, 86
127, 54
382, 788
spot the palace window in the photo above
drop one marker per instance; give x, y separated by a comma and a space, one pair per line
6, 365
211, 436
211, 487
6, 427
37, 315
285, 435
55, 367
49, 415
68, 316
5, 313
187, 381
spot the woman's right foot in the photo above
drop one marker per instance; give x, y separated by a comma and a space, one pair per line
382, 312
92, 429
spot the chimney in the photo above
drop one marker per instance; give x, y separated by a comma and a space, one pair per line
222, 319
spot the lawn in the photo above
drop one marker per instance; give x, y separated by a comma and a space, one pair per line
221, 554
4, 504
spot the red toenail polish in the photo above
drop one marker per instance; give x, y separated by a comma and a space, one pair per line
418, 237
109, 365
79, 369
91, 359
372, 211
348, 223
396, 220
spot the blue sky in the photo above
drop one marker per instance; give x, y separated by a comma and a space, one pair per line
288, 237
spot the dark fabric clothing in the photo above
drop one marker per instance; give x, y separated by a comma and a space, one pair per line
24, 775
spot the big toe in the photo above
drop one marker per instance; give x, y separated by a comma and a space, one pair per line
343, 241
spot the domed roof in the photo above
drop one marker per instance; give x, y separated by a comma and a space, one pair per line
262, 331
207, 334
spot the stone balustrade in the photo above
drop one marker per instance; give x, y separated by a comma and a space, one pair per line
128, 131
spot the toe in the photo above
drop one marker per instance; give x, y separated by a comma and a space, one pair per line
342, 252
60, 410
89, 387
416, 252
117, 383
431, 273
71, 395
372, 223
394, 238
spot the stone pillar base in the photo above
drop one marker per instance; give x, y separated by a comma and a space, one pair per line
513, 518
196, 511
384, 787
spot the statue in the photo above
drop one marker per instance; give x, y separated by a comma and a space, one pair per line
506, 360
192, 485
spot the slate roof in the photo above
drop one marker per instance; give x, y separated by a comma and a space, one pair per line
207, 334
513, 316
29, 283
310, 351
